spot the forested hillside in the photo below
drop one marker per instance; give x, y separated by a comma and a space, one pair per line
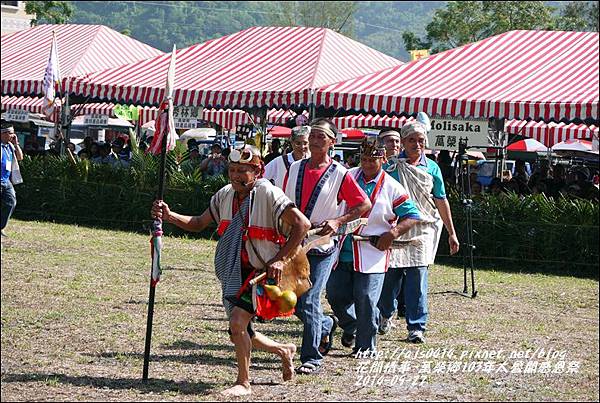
378, 24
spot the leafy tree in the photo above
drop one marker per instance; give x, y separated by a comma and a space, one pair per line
463, 22
336, 15
579, 16
412, 42
53, 12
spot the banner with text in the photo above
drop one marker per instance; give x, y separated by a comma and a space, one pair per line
187, 117
16, 115
95, 119
445, 133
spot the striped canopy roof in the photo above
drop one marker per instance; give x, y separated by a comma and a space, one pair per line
539, 75
259, 66
82, 49
546, 133
551, 133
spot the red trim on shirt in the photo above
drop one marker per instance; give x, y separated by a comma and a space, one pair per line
399, 201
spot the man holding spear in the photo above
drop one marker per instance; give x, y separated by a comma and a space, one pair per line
252, 217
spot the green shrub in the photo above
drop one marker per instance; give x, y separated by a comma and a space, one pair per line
511, 228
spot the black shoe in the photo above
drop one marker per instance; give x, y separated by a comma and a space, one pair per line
348, 339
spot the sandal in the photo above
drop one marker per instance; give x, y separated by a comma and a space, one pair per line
307, 369
325, 346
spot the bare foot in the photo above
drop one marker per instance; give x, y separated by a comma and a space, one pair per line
287, 361
237, 390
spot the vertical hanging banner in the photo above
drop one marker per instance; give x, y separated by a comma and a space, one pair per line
445, 133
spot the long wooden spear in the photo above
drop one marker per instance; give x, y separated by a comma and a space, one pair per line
164, 140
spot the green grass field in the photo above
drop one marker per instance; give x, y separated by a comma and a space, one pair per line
74, 305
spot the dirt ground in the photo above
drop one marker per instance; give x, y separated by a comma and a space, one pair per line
74, 306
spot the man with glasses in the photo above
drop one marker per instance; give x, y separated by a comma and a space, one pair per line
277, 170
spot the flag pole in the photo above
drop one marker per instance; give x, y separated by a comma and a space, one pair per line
165, 129
156, 231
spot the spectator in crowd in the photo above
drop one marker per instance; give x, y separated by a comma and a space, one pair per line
11, 154
559, 182
116, 157
31, 146
275, 151
71, 147
445, 163
318, 185
543, 173
521, 177
583, 186
215, 164
94, 153
87, 144
495, 187
125, 153
192, 162
511, 186
538, 188
104, 151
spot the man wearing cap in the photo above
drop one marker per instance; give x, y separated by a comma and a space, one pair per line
251, 215
423, 180
318, 185
355, 285
277, 170
11, 153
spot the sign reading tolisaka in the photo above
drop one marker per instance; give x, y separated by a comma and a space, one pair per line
16, 115
445, 133
95, 119
186, 117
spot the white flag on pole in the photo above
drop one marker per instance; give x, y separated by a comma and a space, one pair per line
51, 77
165, 125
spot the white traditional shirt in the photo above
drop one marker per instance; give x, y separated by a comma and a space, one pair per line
277, 170
323, 202
390, 201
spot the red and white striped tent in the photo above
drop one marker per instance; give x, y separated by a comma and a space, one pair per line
539, 75
546, 133
259, 66
551, 133
82, 49
393, 122
34, 105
